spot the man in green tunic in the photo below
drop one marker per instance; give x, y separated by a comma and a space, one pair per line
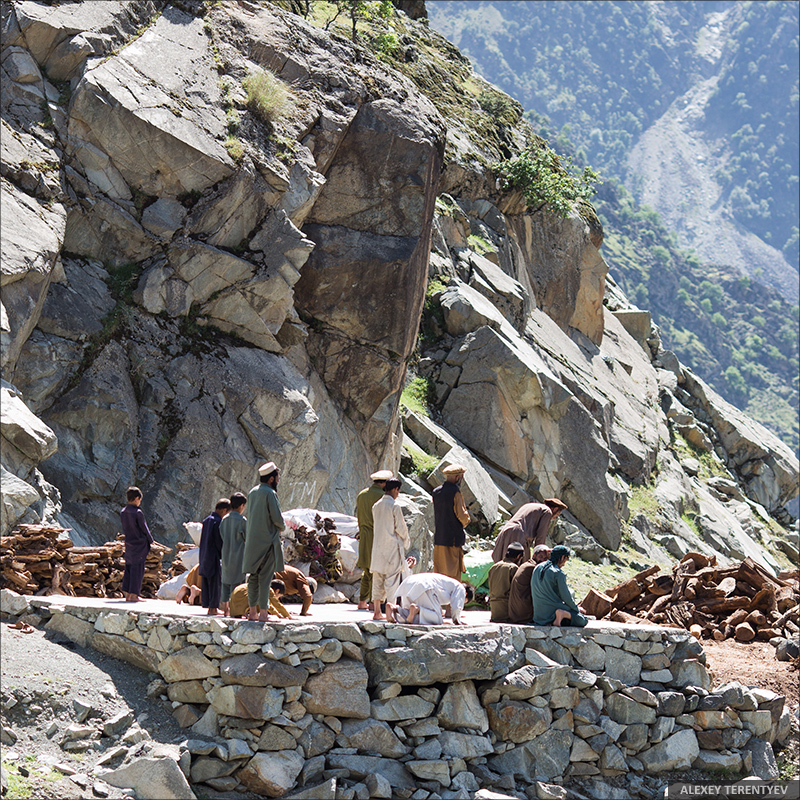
263, 555
364, 502
232, 529
553, 603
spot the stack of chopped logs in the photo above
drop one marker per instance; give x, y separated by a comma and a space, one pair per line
741, 601
35, 561
178, 567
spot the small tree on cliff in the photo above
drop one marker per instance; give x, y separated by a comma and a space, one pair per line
361, 9
547, 179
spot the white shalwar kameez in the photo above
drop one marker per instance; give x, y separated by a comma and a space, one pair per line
430, 591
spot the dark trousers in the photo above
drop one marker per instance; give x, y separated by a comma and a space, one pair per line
210, 591
132, 578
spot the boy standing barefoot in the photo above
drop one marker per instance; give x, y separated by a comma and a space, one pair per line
137, 544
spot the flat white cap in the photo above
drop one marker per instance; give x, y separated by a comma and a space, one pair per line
268, 468
382, 475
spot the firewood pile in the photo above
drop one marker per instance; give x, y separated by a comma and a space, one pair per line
178, 567
741, 601
35, 561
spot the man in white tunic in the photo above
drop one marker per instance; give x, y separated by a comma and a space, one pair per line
390, 541
422, 597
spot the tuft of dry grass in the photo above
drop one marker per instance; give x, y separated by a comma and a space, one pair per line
268, 97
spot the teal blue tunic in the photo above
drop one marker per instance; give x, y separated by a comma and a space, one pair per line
549, 592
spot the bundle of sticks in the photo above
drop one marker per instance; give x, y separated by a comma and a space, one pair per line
741, 601
35, 561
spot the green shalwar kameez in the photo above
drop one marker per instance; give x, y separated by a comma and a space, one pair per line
364, 502
232, 529
263, 554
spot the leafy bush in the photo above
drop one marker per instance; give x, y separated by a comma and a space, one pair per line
384, 44
546, 179
418, 395
268, 96
500, 106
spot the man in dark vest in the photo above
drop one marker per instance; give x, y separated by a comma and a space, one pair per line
450, 516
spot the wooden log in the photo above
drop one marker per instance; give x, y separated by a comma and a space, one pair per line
620, 616
765, 599
744, 633
785, 598
724, 605
790, 614
625, 592
765, 634
745, 588
700, 561
756, 619
641, 603
727, 586
596, 603
753, 573
658, 607
660, 585
718, 635
696, 630
682, 572
682, 613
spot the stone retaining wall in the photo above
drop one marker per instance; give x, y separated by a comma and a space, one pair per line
371, 709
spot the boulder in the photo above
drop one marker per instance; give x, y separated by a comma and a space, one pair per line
252, 669
679, 751
442, 657
461, 708
246, 702
152, 779
141, 108
187, 664
271, 774
31, 236
340, 690
372, 736
517, 722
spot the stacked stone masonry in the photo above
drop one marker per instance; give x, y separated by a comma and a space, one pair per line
371, 709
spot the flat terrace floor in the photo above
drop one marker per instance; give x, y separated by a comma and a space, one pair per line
320, 613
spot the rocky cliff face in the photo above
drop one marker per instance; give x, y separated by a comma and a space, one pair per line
190, 289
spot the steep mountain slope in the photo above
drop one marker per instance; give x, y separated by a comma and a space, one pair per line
618, 73
203, 278
644, 92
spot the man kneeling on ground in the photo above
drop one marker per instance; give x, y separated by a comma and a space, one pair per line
423, 595
552, 600
298, 584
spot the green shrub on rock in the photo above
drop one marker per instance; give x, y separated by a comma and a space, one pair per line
547, 179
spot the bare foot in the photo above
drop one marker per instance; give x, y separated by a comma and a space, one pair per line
561, 615
263, 616
377, 616
362, 605
390, 613
413, 613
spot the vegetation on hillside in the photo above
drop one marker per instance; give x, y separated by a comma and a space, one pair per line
608, 70
596, 75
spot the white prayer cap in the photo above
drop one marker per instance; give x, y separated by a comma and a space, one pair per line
382, 475
267, 469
